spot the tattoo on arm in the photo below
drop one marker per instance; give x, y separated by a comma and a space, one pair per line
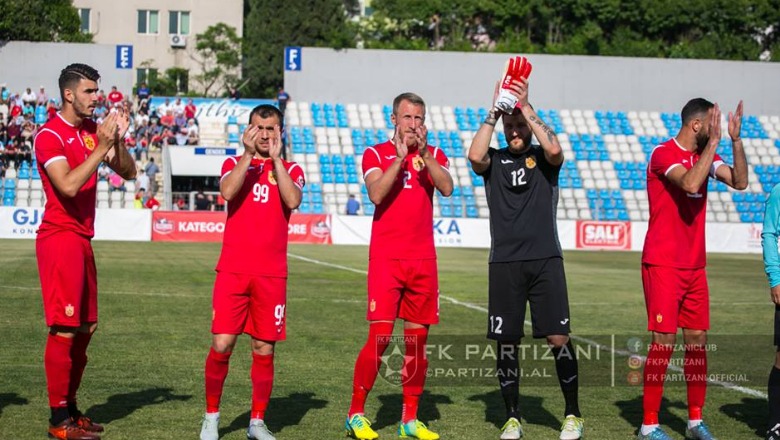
550, 133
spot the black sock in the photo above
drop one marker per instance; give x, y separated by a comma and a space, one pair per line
774, 397
507, 370
73, 410
58, 415
568, 377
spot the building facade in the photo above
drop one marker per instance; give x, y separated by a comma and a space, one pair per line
161, 32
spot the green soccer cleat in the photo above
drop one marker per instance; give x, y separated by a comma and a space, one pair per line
358, 427
572, 428
699, 432
512, 430
416, 429
656, 434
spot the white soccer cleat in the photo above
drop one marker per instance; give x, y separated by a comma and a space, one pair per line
573, 428
512, 430
258, 431
209, 430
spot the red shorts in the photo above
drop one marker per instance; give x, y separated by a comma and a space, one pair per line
676, 298
66, 266
255, 305
406, 289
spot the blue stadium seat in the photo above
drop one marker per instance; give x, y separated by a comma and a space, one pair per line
456, 191
337, 159
352, 178
746, 217
9, 201
338, 169
315, 187
316, 197
317, 208
446, 211
324, 158
340, 178
326, 168
10, 184
327, 178
457, 211
24, 172
304, 208
472, 212
349, 160
368, 208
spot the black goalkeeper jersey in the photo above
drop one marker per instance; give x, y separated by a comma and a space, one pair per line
522, 194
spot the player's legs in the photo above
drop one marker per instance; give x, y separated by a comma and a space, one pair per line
773, 387
262, 376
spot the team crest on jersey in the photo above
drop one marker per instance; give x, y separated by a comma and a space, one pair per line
89, 142
659, 317
372, 306
272, 177
69, 310
418, 163
530, 162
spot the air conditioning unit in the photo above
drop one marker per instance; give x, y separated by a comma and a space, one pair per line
178, 41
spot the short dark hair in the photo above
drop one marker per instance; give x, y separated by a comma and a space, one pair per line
408, 96
265, 111
695, 108
71, 75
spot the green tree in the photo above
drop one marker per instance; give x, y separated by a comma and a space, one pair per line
41, 20
270, 25
218, 54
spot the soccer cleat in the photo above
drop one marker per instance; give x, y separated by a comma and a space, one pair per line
209, 430
258, 431
67, 430
699, 432
656, 434
572, 428
416, 429
512, 430
773, 433
358, 427
87, 424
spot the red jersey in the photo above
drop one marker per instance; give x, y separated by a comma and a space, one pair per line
403, 222
115, 96
255, 240
59, 140
675, 234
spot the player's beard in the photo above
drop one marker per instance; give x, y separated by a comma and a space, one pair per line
83, 111
518, 144
701, 140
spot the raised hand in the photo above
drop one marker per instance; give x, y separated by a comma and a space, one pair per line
122, 122
401, 150
275, 144
715, 126
249, 139
421, 133
107, 132
775, 294
519, 88
735, 123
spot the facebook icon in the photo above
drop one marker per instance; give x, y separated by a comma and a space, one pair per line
124, 57
292, 58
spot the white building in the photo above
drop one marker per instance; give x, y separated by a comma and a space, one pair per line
162, 32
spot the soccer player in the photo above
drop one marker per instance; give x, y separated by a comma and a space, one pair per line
250, 291
673, 260
769, 238
400, 176
69, 149
526, 262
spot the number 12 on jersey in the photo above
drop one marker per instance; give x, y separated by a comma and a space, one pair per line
518, 176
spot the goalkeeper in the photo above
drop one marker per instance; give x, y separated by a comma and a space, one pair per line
526, 263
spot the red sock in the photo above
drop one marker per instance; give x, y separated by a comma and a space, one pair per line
414, 372
367, 364
695, 369
78, 357
655, 372
217, 365
262, 383
57, 363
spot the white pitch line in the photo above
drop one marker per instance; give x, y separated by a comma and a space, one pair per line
625, 353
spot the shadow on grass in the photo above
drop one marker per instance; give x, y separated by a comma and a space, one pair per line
751, 412
120, 406
8, 399
631, 411
531, 410
282, 412
390, 406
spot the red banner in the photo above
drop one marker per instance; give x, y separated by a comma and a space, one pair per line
603, 235
206, 226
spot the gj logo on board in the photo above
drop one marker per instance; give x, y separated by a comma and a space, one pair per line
603, 235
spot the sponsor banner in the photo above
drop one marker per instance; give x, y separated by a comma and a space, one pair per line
110, 224
594, 234
217, 109
198, 226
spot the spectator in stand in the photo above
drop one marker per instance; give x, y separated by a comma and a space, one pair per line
28, 110
143, 93
151, 170
138, 203
142, 180
178, 106
23, 151
202, 201
103, 172
282, 98
168, 120
115, 182
163, 108
16, 108
10, 153
235, 94
14, 128
51, 110
152, 203
190, 110
353, 206
29, 97
100, 112
5, 94
115, 97
193, 133
180, 205
3, 131
42, 98
101, 98
28, 131
154, 133
141, 118
180, 121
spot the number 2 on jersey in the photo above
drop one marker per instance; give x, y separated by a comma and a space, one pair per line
260, 192
518, 176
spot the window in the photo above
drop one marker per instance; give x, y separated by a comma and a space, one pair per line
179, 22
84, 14
148, 22
146, 75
